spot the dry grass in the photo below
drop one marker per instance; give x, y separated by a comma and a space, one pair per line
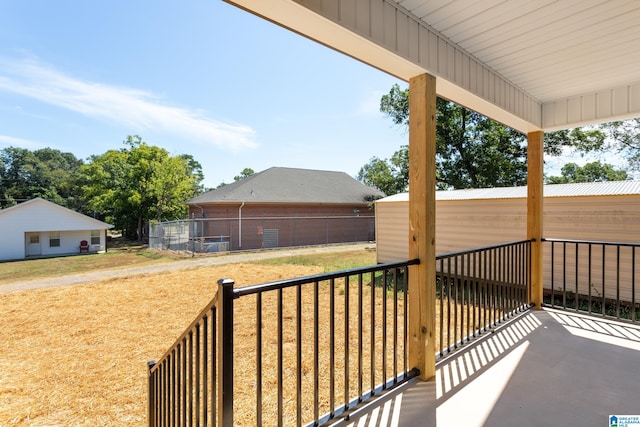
77, 355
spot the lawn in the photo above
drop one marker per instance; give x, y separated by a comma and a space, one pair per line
77, 355
128, 256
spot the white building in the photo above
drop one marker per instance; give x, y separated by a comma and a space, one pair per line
467, 219
42, 228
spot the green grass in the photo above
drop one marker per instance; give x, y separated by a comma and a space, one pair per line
137, 255
329, 261
16, 271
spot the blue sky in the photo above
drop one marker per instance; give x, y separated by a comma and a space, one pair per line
198, 77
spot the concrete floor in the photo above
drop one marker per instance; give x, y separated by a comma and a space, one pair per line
547, 368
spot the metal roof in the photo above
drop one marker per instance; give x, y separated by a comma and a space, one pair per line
292, 185
608, 188
533, 65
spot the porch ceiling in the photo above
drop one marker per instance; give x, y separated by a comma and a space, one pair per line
542, 65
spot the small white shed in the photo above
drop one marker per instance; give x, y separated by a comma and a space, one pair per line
42, 228
467, 219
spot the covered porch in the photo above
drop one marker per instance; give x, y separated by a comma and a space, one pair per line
467, 339
535, 68
546, 367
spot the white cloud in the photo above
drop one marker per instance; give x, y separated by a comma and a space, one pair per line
125, 106
10, 141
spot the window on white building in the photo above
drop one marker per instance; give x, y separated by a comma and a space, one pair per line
95, 237
54, 239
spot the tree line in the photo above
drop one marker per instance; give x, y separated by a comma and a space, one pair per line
473, 151
126, 187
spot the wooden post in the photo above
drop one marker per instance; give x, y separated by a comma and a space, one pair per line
422, 224
535, 204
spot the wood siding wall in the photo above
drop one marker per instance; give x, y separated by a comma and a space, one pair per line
468, 224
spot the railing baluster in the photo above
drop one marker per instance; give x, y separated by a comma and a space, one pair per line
468, 295
279, 372
476, 295
455, 301
214, 366
395, 325
151, 393
618, 282
346, 342
384, 329
564, 274
316, 352
332, 346
205, 370
577, 291
448, 280
299, 355
178, 398
190, 383
633, 284
259, 359
589, 281
604, 298
441, 298
360, 340
184, 381
197, 376
372, 332
553, 273
405, 303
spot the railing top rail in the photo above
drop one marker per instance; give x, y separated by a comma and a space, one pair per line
484, 248
281, 284
592, 242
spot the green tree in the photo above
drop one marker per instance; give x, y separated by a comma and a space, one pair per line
389, 176
590, 172
246, 172
138, 183
47, 173
624, 137
472, 151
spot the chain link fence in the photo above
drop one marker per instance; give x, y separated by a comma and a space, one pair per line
204, 235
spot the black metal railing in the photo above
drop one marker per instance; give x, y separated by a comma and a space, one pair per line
292, 352
478, 289
598, 278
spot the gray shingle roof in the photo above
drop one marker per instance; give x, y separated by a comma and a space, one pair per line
291, 185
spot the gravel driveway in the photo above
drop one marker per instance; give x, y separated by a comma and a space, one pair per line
230, 258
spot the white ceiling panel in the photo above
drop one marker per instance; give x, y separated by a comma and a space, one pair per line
550, 49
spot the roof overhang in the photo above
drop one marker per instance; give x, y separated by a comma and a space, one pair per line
544, 65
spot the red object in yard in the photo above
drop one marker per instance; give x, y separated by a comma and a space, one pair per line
84, 246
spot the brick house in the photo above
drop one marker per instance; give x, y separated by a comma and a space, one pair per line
281, 207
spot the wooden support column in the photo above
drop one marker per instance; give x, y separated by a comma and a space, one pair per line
535, 204
422, 224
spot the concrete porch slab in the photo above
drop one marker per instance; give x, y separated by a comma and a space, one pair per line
546, 368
